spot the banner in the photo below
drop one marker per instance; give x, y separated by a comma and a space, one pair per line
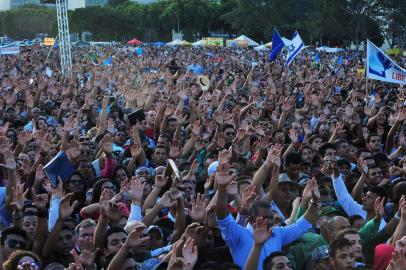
13, 48
381, 67
236, 43
49, 41
210, 41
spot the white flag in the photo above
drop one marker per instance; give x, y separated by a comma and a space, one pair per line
294, 48
381, 67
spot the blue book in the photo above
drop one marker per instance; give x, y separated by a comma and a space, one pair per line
59, 166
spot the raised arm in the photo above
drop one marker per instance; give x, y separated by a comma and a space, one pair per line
261, 235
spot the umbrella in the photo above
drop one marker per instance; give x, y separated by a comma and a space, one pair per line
134, 41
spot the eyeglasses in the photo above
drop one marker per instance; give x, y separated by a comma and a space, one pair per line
230, 133
15, 243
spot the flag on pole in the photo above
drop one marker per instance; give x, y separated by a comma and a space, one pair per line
294, 48
277, 46
381, 67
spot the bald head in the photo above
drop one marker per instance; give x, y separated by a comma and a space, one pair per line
336, 224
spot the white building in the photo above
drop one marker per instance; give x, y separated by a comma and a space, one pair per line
74, 4
5, 5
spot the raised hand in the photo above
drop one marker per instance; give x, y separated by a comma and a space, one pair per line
110, 210
222, 176
19, 196
293, 136
10, 162
137, 190
107, 144
249, 194
398, 261
224, 156
189, 253
196, 129
274, 155
166, 200
311, 187
261, 231
135, 238
174, 150
160, 181
65, 207
379, 208
135, 149
170, 109
198, 211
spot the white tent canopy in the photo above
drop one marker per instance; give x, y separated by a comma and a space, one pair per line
329, 49
175, 42
261, 48
198, 43
250, 41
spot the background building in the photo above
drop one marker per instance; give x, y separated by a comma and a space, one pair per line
74, 4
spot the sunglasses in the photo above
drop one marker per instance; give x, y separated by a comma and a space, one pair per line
15, 243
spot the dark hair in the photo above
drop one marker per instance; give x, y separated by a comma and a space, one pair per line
110, 231
16, 256
293, 158
97, 189
254, 209
372, 135
12, 230
353, 218
119, 168
339, 142
338, 244
362, 150
268, 260
380, 157
323, 148
380, 191
226, 126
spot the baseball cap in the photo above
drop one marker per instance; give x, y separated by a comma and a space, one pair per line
284, 178
155, 228
320, 253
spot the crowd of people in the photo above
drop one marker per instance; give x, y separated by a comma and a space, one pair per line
200, 158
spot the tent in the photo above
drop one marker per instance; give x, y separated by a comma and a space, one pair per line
261, 48
178, 42
134, 41
81, 43
198, 43
158, 43
245, 38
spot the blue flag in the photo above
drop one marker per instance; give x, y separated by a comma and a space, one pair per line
277, 46
108, 61
340, 60
317, 58
294, 48
381, 67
